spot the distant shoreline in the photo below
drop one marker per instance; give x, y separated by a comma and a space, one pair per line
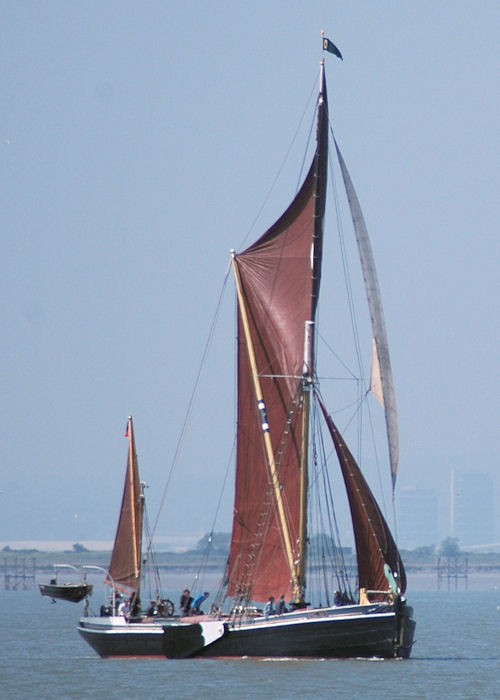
175, 543
177, 567
428, 581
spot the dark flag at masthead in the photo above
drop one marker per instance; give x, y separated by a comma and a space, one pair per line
330, 46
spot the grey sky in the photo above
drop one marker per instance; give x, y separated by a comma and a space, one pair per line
138, 142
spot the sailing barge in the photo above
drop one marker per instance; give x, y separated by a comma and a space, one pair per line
277, 288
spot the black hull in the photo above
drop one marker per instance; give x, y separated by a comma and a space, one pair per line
333, 639
132, 640
72, 592
376, 632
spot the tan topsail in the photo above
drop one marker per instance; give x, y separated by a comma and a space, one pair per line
381, 347
375, 378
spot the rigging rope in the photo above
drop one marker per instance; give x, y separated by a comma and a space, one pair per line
191, 401
348, 284
276, 178
206, 554
337, 556
362, 392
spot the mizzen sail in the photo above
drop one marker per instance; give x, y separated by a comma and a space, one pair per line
125, 565
381, 345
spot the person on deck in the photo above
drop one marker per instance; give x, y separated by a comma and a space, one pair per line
281, 608
135, 606
195, 606
337, 598
124, 608
152, 610
186, 601
269, 608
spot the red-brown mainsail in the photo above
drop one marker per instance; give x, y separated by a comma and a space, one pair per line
279, 279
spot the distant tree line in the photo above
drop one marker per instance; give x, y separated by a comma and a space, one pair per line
220, 542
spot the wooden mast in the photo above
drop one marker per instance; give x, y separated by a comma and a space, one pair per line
133, 491
136, 491
304, 459
308, 367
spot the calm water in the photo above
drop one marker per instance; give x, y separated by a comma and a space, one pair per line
456, 655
